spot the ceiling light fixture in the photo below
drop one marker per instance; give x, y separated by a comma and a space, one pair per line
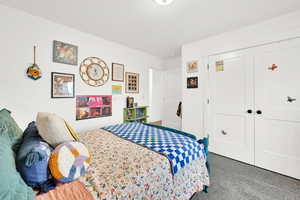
163, 2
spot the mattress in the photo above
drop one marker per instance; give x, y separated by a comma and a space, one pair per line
179, 149
124, 170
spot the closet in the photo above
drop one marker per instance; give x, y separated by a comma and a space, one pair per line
253, 106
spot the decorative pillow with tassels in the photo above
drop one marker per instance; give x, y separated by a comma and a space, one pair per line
32, 159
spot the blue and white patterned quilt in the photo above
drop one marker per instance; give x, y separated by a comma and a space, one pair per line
179, 149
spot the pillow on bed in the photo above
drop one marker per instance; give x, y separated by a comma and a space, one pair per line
9, 129
53, 129
32, 159
69, 161
12, 185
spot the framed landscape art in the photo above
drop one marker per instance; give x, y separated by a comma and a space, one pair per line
62, 85
93, 106
132, 82
65, 53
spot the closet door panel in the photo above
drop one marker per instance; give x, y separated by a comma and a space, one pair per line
277, 146
231, 87
277, 78
277, 96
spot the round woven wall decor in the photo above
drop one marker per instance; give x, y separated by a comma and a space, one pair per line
94, 71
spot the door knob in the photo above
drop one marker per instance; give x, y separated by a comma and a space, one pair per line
249, 111
258, 112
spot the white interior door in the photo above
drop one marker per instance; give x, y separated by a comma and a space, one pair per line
156, 94
172, 96
231, 127
277, 96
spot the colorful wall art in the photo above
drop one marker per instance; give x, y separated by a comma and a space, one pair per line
116, 89
33, 71
62, 85
93, 106
220, 66
65, 53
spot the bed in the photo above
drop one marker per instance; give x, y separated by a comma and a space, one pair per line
123, 170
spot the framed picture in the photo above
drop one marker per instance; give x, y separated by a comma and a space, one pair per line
132, 82
192, 82
62, 85
117, 72
220, 66
93, 106
192, 67
65, 53
130, 102
116, 89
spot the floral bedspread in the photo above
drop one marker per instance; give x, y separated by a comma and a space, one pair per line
122, 170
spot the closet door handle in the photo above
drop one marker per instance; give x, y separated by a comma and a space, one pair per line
258, 112
249, 111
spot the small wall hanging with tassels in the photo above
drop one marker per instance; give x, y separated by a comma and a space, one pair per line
33, 71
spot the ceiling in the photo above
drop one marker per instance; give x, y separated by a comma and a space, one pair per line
152, 28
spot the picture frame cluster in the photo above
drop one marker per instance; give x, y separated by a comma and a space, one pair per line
192, 67
63, 84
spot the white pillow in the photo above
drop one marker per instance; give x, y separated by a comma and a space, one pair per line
53, 129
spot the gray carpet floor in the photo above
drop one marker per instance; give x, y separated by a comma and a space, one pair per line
233, 180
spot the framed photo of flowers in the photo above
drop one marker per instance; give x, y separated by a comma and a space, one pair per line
62, 85
117, 72
132, 82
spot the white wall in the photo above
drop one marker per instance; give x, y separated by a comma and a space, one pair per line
172, 92
283, 27
25, 97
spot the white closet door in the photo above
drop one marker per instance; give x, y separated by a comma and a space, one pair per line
277, 96
231, 127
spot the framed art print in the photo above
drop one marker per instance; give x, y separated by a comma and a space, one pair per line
130, 102
116, 89
62, 85
93, 106
117, 72
192, 82
65, 53
220, 66
192, 67
132, 82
